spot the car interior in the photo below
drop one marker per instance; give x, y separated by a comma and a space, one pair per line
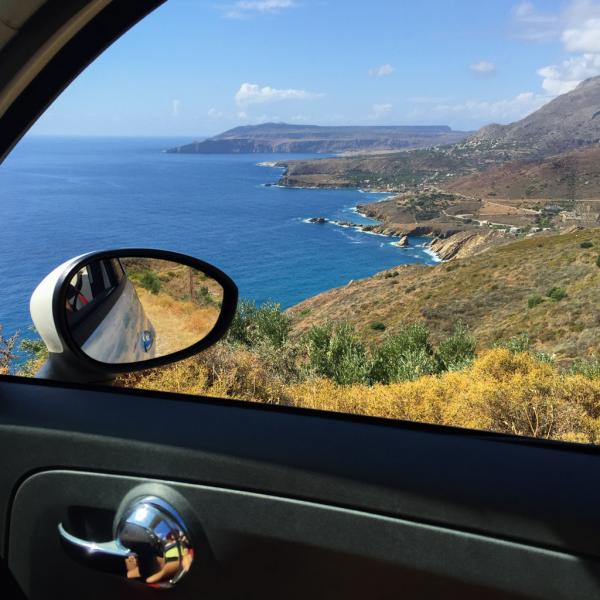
110, 492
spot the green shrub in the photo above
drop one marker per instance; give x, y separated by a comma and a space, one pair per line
516, 344
556, 293
254, 325
586, 244
7, 352
588, 368
280, 362
598, 261
34, 352
377, 326
336, 352
534, 300
404, 357
544, 357
458, 350
151, 282
33, 348
203, 296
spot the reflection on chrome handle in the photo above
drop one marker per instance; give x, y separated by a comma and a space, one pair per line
152, 545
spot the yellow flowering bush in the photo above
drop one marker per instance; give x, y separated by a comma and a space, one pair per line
501, 391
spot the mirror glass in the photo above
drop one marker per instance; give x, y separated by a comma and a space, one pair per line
131, 309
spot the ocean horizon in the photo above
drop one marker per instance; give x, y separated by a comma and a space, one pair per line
63, 196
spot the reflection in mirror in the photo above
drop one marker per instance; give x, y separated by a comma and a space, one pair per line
130, 309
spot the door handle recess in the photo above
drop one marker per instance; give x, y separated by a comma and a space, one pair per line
151, 545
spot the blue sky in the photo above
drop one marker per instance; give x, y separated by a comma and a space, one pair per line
196, 68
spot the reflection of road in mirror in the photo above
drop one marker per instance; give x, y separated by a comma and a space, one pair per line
133, 309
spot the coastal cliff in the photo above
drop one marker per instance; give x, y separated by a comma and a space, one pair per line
447, 245
467, 243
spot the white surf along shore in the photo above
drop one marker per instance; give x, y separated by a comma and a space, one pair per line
360, 227
348, 224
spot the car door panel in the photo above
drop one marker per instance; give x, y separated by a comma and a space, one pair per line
427, 509
259, 546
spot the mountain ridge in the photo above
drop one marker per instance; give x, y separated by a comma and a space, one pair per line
565, 123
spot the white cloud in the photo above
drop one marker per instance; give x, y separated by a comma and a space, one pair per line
577, 27
523, 11
175, 104
583, 38
251, 93
531, 24
381, 71
483, 67
562, 78
499, 111
246, 8
379, 110
581, 26
213, 113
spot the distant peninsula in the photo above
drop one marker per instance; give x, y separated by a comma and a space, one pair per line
315, 139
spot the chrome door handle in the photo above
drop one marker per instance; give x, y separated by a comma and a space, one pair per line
151, 545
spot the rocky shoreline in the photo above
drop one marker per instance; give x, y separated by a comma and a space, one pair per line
375, 229
449, 238
457, 244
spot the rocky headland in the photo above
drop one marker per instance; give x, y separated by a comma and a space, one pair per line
314, 139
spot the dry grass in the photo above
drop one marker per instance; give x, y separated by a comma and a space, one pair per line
178, 323
488, 292
501, 391
221, 371
504, 391
571, 174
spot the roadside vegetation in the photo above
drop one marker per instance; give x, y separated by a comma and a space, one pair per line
509, 388
443, 345
7, 351
546, 285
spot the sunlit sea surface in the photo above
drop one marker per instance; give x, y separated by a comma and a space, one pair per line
61, 197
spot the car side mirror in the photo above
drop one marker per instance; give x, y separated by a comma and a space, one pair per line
106, 313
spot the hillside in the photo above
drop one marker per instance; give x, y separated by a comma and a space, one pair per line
432, 211
397, 171
569, 121
281, 137
489, 292
572, 175
406, 354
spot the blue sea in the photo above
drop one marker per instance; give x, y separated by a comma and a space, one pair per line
61, 197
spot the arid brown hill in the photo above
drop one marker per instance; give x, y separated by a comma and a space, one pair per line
569, 121
573, 175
